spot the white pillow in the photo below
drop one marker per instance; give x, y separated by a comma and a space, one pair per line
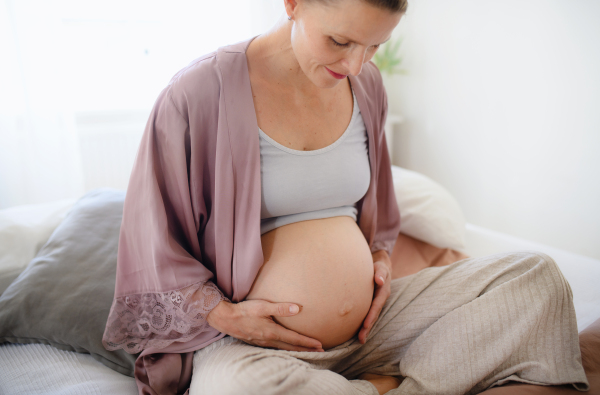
25, 229
428, 212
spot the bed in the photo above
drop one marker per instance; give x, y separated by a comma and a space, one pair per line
433, 232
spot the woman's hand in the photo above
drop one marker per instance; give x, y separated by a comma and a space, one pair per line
383, 279
251, 321
382, 383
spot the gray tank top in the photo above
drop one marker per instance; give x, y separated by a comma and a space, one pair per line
303, 185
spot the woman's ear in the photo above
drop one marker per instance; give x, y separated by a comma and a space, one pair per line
290, 7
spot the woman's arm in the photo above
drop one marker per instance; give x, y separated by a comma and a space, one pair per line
163, 289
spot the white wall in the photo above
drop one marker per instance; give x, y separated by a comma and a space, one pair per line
502, 107
67, 61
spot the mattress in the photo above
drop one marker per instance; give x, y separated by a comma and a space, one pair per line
41, 369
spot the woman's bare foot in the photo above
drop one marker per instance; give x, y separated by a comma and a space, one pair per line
382, 383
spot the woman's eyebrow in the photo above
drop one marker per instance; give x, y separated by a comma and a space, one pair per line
349, 39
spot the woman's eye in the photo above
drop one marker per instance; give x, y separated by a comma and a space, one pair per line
338, 44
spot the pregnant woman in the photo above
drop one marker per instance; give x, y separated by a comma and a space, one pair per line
259, 220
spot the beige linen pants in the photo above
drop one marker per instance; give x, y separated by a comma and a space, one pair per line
457, 329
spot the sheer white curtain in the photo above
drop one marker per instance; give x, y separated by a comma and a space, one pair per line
72, 70
39, 158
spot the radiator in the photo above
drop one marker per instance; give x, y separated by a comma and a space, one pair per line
109, 142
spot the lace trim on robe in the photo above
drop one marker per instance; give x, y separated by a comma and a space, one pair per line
139, 321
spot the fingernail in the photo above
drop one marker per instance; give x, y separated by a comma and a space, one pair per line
294, 309
381, 278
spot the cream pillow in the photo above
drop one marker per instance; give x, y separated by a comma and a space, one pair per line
428, 212
23, 231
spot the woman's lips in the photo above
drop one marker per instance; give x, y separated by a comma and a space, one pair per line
336, 75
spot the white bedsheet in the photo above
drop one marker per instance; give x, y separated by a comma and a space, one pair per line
31, 369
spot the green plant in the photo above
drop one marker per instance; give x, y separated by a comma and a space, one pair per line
386, 60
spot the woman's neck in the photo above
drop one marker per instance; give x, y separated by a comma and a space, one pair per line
272, 59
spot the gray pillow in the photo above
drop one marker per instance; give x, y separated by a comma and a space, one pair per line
63, 296
8, 276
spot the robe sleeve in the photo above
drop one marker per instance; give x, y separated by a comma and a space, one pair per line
163, 291
388, 214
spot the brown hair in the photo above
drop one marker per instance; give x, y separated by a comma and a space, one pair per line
391, 5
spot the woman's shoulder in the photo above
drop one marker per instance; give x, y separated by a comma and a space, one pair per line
201, 67
196, 84
200, 83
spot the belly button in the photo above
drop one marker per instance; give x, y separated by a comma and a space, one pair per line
346, 308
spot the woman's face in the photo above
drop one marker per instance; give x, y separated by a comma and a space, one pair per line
340, 38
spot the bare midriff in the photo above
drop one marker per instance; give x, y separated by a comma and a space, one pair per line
324, 265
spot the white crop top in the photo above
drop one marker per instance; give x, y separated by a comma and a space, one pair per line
303, 185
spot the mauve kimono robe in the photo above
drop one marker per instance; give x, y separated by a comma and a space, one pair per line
191, 216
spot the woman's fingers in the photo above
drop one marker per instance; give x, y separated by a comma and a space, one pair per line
282, 309
262, 329
282, 338
375, 310
294, 338
382, 293
381, 274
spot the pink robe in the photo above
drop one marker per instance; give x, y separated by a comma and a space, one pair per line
191, 216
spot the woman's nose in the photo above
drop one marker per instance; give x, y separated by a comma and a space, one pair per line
356, 61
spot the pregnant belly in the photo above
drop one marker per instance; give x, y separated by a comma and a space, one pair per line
324, 265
